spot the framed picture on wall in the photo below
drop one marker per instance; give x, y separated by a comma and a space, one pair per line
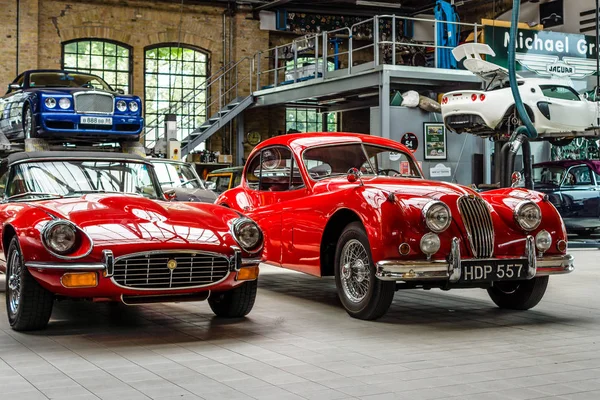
434, 145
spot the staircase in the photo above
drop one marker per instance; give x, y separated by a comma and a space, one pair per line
227, 93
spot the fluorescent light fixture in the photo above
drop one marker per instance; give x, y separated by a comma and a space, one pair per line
378, 4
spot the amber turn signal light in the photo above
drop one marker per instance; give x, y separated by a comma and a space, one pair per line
79, 279
247, 274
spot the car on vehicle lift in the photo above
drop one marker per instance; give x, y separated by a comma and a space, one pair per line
573, 186
67, 105
97, 226
357, 207
558, 112
181, 180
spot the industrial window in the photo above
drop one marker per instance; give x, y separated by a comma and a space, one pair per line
174, 80
109, 60
308, 120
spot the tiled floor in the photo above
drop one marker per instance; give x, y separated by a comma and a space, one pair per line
299, 343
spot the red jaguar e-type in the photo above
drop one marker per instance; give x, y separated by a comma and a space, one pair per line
97, 226
357, 207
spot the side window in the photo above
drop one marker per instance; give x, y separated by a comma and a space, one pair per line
560, 92
597, 179
274, 170
579, 176
3, 181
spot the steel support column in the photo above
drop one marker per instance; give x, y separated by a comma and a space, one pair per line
384, 104
239, 149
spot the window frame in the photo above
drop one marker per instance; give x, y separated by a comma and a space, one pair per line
201, 50
590, 171
130, 65
319, 120
569, 89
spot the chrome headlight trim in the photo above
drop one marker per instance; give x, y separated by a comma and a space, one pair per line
429, 207
50, 102
78, 231
64, 103
238, 224
121, 105
518, 218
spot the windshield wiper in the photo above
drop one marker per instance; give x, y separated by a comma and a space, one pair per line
17, 196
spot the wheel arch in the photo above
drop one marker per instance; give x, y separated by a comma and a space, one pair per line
333, 229
511, 108
8, 232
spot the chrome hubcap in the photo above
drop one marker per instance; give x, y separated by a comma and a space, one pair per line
355, 271
14, 283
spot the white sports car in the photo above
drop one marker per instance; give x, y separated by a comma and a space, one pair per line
555, 108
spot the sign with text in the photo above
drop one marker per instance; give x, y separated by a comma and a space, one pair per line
410, 140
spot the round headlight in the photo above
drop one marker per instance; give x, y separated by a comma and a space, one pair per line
247, 234
64, 103
50, 102
121, 105
133, 106
543, 240
60, 237
437, 216
430, 244
528, 215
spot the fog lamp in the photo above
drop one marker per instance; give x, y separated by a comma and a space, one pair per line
430, 244
79, 280
247, 273
543, 241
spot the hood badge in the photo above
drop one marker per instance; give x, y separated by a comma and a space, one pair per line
172, 264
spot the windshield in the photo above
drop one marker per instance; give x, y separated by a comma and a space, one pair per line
323, 162
64, 79
548, 175
67, 178
174, 175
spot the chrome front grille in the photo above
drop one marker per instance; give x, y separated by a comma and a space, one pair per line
94, 102
478, 224
170, 270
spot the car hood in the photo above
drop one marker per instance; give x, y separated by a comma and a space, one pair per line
200, 195
120, 219
72, 90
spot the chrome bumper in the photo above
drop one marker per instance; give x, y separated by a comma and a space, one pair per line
411, 270
108, 264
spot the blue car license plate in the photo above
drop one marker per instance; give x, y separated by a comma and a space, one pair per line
96, 120
493, 270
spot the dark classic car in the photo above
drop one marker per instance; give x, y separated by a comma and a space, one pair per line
57, 104
97, 226
224, 179
573, 186
180, 180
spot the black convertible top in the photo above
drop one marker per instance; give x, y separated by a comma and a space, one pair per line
79, 155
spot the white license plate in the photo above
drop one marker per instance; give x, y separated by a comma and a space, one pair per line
494, 270
96, 120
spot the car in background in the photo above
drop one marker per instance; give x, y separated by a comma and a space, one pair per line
61, 105
357, 207
556, 109
180, 180
96, 226
224, 179
573, 186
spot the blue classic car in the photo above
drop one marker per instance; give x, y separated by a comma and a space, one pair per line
57, 104
573, 186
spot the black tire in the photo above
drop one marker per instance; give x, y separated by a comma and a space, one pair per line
379, 294
234, 303
29, 125
561, 142
33, 303
519, 295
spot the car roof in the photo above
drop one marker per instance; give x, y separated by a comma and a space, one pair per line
301, 141
226, 170
82, 155
166, 160
593, 164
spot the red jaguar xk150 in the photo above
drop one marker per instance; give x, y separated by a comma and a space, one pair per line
97, 226
357, 207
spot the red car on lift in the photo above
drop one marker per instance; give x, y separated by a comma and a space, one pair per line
357, 207
97, 226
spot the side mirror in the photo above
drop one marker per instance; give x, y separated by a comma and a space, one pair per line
515, 178
14, 86
169, 194
354, 175
120, 91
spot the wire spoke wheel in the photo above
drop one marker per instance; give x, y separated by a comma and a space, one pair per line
14, 283
355, 271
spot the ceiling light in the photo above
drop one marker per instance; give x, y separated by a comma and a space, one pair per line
377, 4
